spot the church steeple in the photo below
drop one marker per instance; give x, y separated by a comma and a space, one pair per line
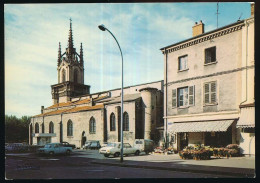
70, 50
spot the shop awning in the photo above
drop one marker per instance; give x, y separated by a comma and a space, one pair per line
201, 126
247, 118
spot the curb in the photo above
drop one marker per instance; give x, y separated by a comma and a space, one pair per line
250, 173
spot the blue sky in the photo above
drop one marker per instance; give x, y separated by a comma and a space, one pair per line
33, 32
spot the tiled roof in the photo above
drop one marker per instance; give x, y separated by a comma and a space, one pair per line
64, 104
52, 112
83, 101
85, 108
75, 109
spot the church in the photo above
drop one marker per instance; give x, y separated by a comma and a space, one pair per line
77, 115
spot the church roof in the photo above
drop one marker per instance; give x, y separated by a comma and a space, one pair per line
127, 98
71, 110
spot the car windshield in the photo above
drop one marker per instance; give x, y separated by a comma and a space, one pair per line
111, 145
47, 146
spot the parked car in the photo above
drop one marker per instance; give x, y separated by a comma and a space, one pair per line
11, 147
145, 145
104, 144
66, 144
55, 148
94, 144
114, 149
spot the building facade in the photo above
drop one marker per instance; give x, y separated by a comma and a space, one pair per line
209, 88
77, 116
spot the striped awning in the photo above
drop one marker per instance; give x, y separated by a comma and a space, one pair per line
247, 118
201, 126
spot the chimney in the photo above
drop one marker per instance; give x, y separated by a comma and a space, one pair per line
42, 108
198, 29
252, 9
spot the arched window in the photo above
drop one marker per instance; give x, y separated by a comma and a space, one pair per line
36, 127
112, 122
125, 122
92, 125
42, 127
51, 127
76, 75
69, 128
63, 75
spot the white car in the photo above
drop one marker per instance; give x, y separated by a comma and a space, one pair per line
114, 149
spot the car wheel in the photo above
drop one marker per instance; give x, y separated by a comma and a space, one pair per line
51, 153
116, 154
106, 155
137, 153
68, 152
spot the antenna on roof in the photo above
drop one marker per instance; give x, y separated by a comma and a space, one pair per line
240, 17
217, 14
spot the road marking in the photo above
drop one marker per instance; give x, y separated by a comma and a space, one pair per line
94, 170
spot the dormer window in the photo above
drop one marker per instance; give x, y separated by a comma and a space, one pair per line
183, 63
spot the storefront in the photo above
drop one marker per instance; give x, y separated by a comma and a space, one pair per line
43, 138
246, 125
208, 133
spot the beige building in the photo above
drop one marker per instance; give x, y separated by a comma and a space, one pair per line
209, 87
77, 116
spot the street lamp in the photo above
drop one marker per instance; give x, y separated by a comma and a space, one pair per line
103, 28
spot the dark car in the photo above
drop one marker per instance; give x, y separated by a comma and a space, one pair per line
66, 144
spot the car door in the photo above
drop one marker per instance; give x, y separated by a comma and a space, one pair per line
127, 148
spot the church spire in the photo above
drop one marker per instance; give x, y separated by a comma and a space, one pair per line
70, 51
81, 55
59, 55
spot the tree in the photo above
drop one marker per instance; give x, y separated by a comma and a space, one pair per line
17, 129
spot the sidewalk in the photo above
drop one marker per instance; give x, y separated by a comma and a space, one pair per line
236, 166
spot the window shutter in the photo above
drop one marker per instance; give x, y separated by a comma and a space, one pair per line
174, 98
206, 93
213, 96
191, 95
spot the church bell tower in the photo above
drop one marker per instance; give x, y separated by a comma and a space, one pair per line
70, 73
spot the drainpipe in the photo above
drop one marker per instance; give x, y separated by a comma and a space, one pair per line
246, 23
166, 90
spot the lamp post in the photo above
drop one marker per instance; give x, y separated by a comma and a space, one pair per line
103, 28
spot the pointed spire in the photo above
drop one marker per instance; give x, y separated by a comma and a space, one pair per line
70, 41
81, 54
59, 54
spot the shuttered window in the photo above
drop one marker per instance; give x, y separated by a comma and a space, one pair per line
210, 92
191, 95
174, 98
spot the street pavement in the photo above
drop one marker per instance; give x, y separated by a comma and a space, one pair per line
234, 167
